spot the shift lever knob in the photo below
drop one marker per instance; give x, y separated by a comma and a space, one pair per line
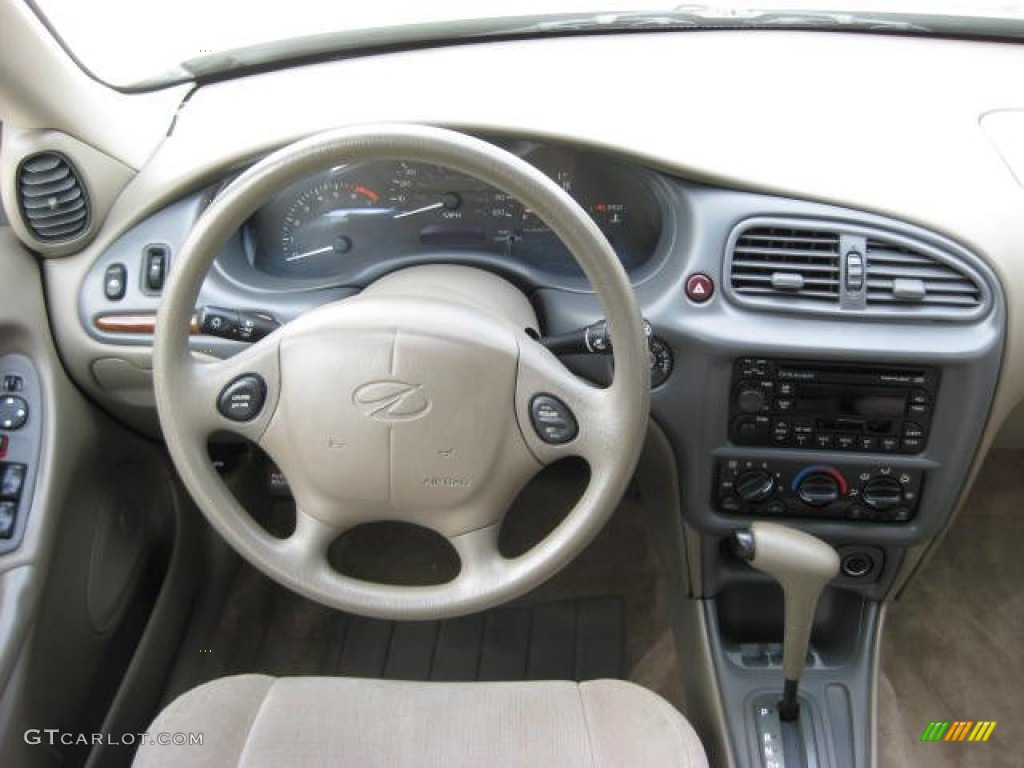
803, 565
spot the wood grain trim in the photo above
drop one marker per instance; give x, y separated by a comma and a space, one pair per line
138, 322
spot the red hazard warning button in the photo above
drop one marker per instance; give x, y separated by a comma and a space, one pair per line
699, 287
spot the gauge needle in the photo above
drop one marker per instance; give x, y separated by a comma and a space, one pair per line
314, 252
424, 209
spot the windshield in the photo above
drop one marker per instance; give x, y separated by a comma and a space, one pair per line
126, 42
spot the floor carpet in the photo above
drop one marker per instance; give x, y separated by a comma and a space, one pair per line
952, 645
573, 627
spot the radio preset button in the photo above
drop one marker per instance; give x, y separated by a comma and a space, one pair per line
823, 441
781, 431
889, 444
913, 443
918, 397
846, 442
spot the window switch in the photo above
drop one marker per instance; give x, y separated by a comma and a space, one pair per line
115, 282
8, 517
155, 267
12, 478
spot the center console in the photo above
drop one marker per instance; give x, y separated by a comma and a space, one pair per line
839, 408
838, 381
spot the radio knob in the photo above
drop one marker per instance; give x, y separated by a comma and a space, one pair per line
882, 493
818, 489
755, 485
750, 399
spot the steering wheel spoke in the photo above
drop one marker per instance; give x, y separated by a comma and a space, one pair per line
478, 554
236, 395
561, 414
307, 546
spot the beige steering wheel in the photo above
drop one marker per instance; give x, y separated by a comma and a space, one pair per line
415, 401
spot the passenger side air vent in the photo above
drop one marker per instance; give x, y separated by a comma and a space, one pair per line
899, 276
843, 268
789, 263
52, 198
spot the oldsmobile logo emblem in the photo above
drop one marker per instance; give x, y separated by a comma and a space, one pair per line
391, 400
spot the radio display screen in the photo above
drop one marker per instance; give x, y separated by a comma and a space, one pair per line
868, 402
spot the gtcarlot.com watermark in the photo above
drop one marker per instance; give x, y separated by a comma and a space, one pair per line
54, 736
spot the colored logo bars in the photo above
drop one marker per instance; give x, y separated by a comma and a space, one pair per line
958, 730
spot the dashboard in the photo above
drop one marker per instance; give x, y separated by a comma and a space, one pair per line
825, 242
842, 245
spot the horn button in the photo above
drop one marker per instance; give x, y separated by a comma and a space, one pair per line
405, 423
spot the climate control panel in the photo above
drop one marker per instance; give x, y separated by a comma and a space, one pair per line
858, 491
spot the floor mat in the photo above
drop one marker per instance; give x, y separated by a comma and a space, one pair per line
951, 646
572, 627
564, 640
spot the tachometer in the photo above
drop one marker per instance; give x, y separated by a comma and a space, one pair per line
326, 222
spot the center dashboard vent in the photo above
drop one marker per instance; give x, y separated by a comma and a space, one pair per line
53, 201
805, 265
801, 264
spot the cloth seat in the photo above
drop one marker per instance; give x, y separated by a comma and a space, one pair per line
258, 721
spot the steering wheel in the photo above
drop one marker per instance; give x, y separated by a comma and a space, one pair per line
421, 400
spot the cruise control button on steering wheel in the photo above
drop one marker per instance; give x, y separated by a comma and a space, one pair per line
552, 420
242, 399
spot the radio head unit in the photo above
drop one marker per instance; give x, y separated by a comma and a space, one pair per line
831, 406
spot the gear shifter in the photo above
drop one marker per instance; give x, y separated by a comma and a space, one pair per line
803, 565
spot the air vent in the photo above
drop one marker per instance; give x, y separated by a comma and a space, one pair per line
786, 262
53, 200
899, 276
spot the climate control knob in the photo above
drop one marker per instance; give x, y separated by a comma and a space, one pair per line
818, 489
755, 485
882, 493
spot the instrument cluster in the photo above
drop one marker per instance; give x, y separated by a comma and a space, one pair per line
349, 219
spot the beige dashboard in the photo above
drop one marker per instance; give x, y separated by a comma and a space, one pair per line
891, 125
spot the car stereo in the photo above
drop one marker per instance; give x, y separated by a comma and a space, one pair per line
831, 406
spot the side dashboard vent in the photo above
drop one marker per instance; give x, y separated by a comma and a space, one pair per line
788, 263
52, 198
900, 276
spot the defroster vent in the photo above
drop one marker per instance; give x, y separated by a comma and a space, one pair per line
795, 263
53, 200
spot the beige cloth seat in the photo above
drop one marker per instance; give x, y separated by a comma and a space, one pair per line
256, 721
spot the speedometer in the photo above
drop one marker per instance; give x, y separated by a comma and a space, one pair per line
326, 222
350, 223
